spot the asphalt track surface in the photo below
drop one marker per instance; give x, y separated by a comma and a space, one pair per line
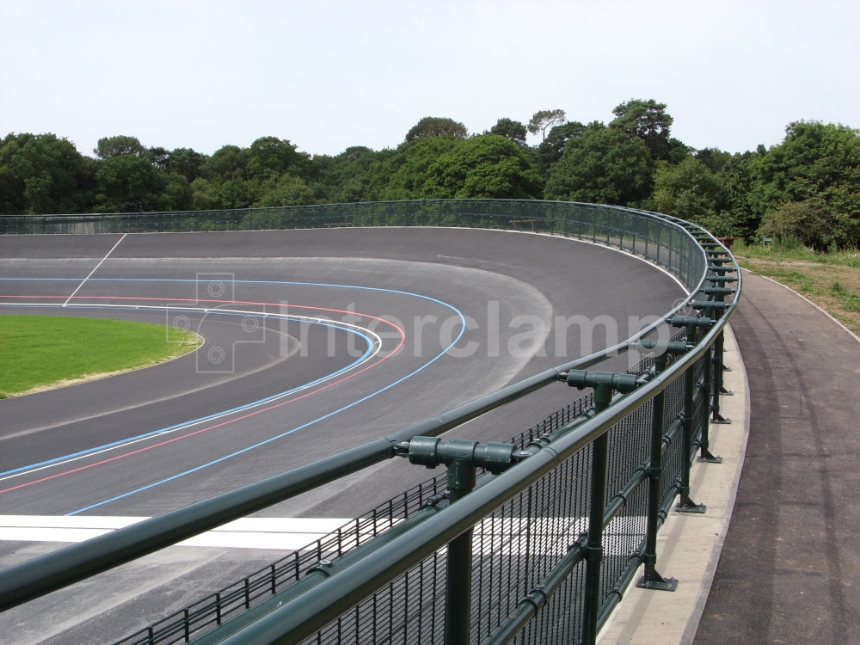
315, 341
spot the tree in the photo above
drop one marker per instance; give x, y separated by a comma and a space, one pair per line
182, 161
432, 126
816, 166
270, 157
513, 130
176, 195
351, 176
646, 120
603, 166
236, 193
158, 157
289, 191
812, 223
402, 175
41, 173
128, 183
108, 147
228, 162
812, 158
714, 158
488, 166
736, 178
544, 119
552, 147
690, 190
677, 151
203, 197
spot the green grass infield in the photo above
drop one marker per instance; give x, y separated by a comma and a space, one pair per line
43, 352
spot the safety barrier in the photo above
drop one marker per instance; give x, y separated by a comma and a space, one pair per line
533, 540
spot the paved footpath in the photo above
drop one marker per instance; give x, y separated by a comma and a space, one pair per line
790, 566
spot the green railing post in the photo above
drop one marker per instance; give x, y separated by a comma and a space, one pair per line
710, 393
719, 385
717, 380
708, 389
462, 457
650, 578
685, 503
603, 384
458, 583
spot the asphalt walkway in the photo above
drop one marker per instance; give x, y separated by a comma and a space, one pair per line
790, 566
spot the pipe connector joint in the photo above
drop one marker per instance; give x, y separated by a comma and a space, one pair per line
494, 456
580, 379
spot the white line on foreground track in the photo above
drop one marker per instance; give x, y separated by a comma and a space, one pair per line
288, 534
509, 535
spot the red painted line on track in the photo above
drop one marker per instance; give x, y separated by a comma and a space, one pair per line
400, 344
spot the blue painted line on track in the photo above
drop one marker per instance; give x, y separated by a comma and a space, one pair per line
302, 427
210, 417
261, 443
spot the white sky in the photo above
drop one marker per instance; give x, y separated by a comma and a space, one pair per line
329, 74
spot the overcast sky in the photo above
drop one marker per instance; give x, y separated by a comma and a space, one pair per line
329, 74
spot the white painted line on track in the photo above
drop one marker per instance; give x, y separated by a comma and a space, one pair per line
375, 350
96, 268
510, 535
287, 534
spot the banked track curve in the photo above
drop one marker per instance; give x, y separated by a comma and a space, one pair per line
455, 313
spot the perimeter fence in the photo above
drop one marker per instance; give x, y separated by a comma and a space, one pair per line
529, 541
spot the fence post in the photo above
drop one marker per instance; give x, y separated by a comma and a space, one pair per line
458, 583
594, 542
603, 384
710, 394
686, 504
650, 578
462, 457
717, 381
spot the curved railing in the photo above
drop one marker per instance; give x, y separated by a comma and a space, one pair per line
659, 238
542, 543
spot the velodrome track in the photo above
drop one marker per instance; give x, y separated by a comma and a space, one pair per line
315, 341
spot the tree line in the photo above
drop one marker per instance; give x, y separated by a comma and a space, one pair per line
806, 188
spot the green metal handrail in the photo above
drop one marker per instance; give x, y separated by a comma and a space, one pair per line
303, 616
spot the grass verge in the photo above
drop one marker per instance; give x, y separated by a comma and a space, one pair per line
42, 352
830, 280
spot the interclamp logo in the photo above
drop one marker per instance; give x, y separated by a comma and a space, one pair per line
224, 322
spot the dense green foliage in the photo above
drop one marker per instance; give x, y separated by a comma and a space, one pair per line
489, 166
603, 166
805, 189
432, 126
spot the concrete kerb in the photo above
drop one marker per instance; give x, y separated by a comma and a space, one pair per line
689, 546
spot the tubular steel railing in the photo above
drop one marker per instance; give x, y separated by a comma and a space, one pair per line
530, 541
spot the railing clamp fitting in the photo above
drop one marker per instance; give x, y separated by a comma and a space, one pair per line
324, 567
709, 304
689, 321
580, 379
495, 457
654, 473
401, 449
537, 598
593, 553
